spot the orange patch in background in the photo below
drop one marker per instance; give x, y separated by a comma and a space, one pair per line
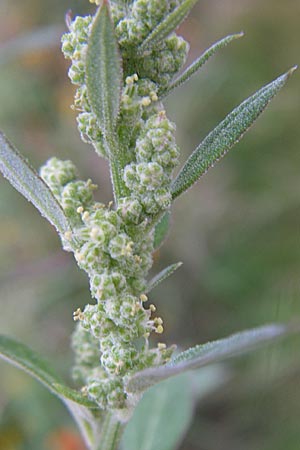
64, 440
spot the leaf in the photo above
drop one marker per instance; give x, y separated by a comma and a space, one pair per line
199, 62
209, 353
225, 135
165, 273
103, 70
162, 417
168, 25
26, 359
161, 230
26, 180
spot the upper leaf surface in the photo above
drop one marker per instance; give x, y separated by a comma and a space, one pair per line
209, 353
225, 135
103, 70
27, 181
26, 359
166, 409
161, 230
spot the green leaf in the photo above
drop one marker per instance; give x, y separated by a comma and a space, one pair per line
225, 135
79, 406
161, 276
199, 62
161, 230
103, 70
27, 181
209, 353
162, 417
26, 359
168, 25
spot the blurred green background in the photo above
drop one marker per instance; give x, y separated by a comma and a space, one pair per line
237, 231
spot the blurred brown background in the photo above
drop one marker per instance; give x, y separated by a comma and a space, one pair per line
237, 231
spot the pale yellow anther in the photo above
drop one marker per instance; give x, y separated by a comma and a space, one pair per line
159, 329
143, 298
138, 259
96, 2
98, 206
127, 251
161, 346
84, 391
85, 215
146, 335
91, 185
129, 80
158, 321
152, 308
76, 55
146, 101
80, 210
94, 233
79, 256
137, 306
135, 77
68, 235
78, 315
153, 96
99, 293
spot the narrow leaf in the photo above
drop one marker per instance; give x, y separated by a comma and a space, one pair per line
103, 70
161, 230
167, 411
168, 25
225, 135
209, 353
27, 181
165, 273
199, 62
26, 359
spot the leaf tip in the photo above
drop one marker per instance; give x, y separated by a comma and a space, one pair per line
239, 35
292, 70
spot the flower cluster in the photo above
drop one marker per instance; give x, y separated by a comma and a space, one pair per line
114, 244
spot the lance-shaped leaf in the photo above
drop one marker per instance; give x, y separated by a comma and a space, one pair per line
225, 135
26, 359
161, 230
161, 276
199, 62
103, 70
167, 411
209, 353
27, 181
168, 25
79, 406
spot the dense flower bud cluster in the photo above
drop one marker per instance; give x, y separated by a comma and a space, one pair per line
149, 176
108, 334
114, 245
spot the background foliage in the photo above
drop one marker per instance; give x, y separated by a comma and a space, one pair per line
237, 231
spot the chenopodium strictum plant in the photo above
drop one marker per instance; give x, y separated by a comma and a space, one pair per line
124, 60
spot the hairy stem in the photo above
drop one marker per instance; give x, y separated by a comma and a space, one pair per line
111, 434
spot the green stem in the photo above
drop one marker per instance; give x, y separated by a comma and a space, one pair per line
111, 432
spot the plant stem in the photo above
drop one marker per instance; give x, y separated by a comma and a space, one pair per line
111, 432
